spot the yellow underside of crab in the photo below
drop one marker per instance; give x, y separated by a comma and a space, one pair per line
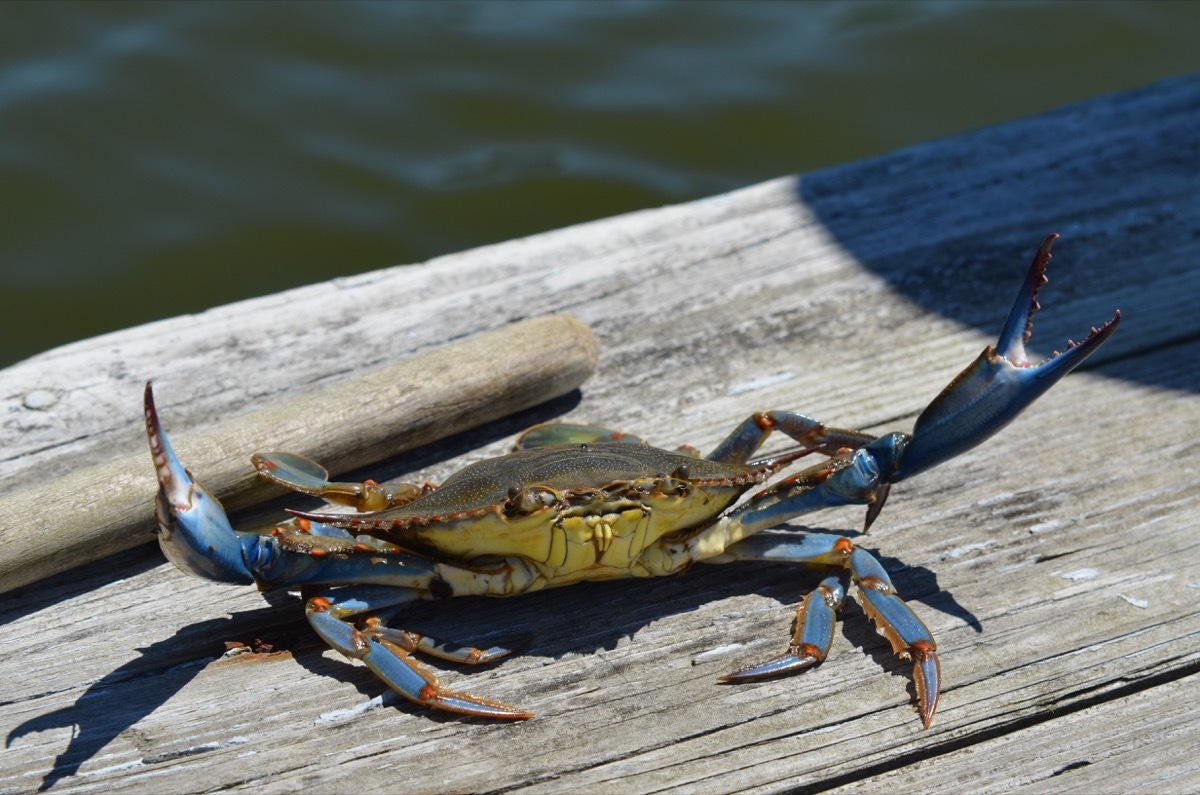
601, 540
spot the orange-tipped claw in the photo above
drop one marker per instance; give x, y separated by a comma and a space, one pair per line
193, 530
395, 666
927, 676
796, 659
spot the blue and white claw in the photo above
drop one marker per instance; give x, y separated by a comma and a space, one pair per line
998, 385
192, 527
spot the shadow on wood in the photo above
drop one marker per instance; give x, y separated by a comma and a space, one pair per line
951, 224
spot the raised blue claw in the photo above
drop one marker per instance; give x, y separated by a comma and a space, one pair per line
192, 530
998, 385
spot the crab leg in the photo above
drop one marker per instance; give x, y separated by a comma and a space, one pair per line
812, 637
446, 650
298, 473
559, 434
910, 638
977, 403
747, 437
195, 534
387, 652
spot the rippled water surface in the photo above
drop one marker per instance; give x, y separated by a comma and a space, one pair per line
157, 159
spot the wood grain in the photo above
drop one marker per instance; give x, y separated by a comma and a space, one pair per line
108, 507
1058, 564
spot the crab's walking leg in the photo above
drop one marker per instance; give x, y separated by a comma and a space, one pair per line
559, 434
300, 474
748, 436
446, 650
813, 634
387, 652
910, 638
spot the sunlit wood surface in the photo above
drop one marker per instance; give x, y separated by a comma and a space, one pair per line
1058, 564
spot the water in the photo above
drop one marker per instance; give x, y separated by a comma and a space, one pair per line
158, 159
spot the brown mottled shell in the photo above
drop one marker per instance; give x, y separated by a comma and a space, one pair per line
485, 485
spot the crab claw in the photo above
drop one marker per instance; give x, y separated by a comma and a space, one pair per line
193, 531
997, 386
979, 402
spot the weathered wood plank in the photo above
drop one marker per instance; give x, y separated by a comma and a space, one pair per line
109, 507
1092, 750
1056, 564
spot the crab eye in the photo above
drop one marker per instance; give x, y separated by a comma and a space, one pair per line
529, 500
682, 472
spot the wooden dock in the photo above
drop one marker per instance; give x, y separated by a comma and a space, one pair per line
1058, 564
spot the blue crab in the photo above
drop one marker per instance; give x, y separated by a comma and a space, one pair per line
577, 503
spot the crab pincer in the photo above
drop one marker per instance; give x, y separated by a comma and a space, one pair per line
999, 384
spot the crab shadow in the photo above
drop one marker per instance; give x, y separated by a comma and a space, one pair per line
583, 619
590, 618
117, 701
976, 229
126, 695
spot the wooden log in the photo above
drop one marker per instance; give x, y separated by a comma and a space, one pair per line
108, 507
1057, 564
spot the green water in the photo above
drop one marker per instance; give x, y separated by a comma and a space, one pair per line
158, 159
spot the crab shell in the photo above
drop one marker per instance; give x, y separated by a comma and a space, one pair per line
581, 512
